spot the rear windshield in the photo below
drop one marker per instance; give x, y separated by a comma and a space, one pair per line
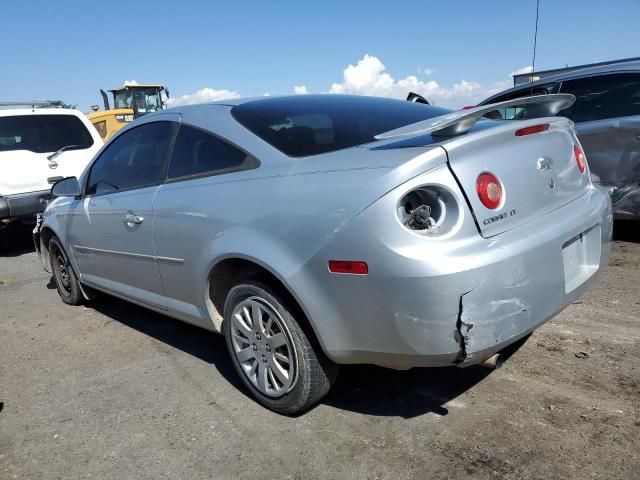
306, 125
43, 133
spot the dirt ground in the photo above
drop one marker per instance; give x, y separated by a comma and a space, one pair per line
112, 391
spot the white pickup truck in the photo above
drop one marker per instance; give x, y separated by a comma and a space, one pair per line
39, 146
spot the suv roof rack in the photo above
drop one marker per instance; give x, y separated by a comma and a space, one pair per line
35, 104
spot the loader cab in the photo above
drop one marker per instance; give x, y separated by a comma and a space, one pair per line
142, 99
129, 103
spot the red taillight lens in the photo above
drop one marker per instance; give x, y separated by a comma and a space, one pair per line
543, 127
468, 107
580, 158
346, 266
489, 190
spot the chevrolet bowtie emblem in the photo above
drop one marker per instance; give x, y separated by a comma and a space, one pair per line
545, 163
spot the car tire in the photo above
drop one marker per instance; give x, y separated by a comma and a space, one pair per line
63, 275
278, 360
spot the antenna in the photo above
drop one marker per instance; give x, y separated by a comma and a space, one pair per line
535, 41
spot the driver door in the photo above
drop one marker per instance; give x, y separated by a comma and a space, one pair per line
111, 229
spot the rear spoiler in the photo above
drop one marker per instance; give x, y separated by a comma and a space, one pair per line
460, 122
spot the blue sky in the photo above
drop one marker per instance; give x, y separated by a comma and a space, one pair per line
69, 50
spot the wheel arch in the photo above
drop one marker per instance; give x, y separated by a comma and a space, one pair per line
46, 234
231, 269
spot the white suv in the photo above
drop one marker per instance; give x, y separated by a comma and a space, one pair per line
39, 146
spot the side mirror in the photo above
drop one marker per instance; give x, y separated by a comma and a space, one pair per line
67, 187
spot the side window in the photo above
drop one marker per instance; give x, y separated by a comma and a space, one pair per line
135, 159
607, 96
197, 152
516, 113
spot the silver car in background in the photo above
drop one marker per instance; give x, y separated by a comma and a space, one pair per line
607, 120
321, 230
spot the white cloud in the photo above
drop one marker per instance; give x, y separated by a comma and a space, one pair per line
203, 95
369, 77
520, 71
129, 83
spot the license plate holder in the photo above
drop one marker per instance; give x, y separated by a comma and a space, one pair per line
581, 258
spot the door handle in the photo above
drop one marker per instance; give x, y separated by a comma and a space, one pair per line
133, 218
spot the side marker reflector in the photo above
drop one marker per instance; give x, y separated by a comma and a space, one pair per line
349, 267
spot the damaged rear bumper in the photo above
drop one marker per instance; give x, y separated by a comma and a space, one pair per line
460, 304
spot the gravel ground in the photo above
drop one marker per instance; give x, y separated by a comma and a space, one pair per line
113, 391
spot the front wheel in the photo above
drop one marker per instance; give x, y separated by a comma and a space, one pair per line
63, 275
280, 364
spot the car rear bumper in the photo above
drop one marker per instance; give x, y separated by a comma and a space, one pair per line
24, 204
460, 304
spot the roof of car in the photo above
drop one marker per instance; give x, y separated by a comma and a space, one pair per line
40, 111
631, 66
233, 102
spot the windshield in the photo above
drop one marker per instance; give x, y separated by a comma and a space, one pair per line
43, 133
307, 125
146, 100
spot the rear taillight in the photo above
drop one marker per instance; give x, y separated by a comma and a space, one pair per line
429, 210
349, 267
581, 161
543, 127
489, 190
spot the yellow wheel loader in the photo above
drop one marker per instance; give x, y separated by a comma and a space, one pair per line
129, 103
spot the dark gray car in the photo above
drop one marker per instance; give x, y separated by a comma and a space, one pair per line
607, 120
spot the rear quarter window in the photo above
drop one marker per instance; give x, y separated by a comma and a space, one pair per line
43, 133
199, 153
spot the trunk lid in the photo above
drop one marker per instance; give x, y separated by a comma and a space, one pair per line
538, 172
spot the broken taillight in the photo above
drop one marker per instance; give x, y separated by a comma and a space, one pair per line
429, 210
489, 190
581, 161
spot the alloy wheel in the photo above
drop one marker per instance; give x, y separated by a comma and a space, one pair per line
263, 347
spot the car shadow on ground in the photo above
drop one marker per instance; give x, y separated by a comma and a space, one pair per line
16, 241
360, 388
627, 231
197, 342
380, 391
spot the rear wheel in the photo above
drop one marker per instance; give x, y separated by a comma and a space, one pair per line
280, 364
63, 275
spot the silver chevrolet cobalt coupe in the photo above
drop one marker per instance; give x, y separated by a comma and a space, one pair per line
314, 231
